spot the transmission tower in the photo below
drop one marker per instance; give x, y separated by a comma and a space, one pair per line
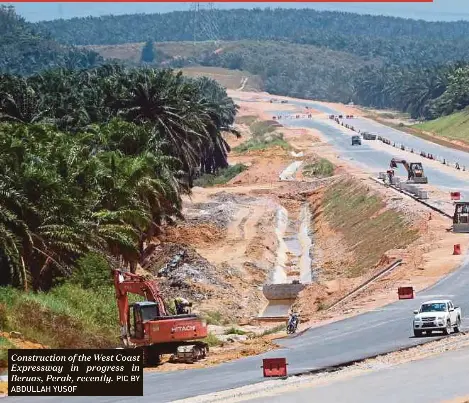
204, 23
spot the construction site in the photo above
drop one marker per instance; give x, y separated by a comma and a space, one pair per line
304, 228
282, 237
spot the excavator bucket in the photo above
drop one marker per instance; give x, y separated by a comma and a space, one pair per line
393, 164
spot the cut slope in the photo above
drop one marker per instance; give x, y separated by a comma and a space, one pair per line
366, 229
454, 127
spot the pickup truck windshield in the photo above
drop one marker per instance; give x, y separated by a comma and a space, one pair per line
433, 308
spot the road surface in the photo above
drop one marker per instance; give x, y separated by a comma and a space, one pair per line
372, 333
376, 332
435, 379
376, 160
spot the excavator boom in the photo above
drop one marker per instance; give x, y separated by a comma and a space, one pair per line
414, 170
153, 328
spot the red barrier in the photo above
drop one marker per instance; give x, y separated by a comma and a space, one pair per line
457, 249
274, 367
405, 292
455, 195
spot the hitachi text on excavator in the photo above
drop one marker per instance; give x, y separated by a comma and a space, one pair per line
147, 324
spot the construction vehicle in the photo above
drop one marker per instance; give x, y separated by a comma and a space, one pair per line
356, 140
461, 217
148, 325
368, 136
414, 170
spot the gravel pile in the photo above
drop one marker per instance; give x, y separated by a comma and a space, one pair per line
180, 267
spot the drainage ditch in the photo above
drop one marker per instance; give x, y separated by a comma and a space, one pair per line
292, 269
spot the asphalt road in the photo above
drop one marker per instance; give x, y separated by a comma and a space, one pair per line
413, 382
376, 160
376, 332
369, 334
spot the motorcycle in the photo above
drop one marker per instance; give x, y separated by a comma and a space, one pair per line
292, 324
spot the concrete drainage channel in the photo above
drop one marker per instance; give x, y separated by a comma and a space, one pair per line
292, 270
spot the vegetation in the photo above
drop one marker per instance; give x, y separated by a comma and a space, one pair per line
23, 51
367, 229
321, 168
223, 176
66, 316
212, 340
230, 79
279, 328
452, 127
371, 60
400, 40
214, 318
148, 54
422, 92
264, 135
235, 330
97, 161
5, 344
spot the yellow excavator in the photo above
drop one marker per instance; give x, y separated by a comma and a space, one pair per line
414, 170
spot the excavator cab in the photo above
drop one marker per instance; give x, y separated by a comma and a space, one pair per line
461, 217
417, 169
414, 170
142, 312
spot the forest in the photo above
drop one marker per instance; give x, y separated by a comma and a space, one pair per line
24, 51
96, 161
411, 65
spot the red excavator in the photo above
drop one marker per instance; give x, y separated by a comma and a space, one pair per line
414, 170
149, 326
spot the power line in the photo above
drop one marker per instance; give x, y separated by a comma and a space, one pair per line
204, 25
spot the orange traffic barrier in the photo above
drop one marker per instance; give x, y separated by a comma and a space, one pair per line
455, 195
405, 292
274, 367
457, 249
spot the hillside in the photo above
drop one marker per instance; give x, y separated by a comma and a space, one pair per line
454, 127
409, 65
23, 51
280, 67
399, 40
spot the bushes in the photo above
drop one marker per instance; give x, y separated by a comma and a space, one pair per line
223, 176
321, 168
92, 271
66, 317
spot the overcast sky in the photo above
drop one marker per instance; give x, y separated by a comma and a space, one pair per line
447, 10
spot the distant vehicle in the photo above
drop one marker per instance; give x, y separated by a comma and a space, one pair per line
356, 140
437, 315
368, 136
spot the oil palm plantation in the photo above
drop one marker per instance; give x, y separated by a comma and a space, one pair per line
98, 160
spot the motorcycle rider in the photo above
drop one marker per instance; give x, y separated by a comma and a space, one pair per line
292, 320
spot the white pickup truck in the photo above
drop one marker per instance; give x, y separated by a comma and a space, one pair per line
437, 315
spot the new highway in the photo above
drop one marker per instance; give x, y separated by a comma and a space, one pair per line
435, 379
376, 332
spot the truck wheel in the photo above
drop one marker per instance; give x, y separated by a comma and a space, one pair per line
458, 325
447, 329
417, 333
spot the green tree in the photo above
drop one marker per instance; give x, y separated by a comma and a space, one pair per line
148, 52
